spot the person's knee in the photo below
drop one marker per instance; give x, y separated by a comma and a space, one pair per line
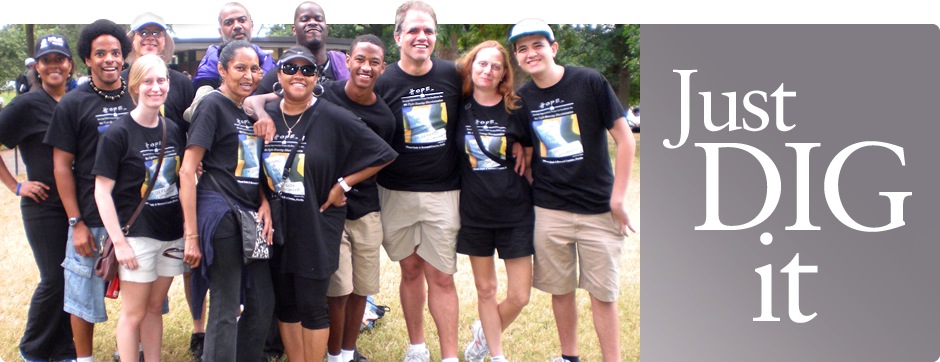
518, 298
486, 289
412, 268
440, 280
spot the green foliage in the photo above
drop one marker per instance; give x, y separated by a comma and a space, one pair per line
13, 47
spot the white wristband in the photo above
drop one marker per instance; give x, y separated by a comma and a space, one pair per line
343, 184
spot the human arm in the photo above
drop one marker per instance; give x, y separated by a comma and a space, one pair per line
254, 107
32, 189
264, 214
191, 160
82, 240
623, 167
108, 213
338, 195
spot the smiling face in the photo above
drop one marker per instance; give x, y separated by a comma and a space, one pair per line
149, 43
310, 27
153, 88
241, 77
297, 87
105, 62
54, 69
488, 69
235, 23
534, 53
417, 36
366, 63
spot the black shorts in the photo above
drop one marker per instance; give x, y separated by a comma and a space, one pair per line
511, 242
303, 300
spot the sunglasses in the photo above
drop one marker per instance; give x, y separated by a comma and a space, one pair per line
174, 253
155, 33
306, 70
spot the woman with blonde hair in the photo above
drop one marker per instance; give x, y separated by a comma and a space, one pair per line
140, 154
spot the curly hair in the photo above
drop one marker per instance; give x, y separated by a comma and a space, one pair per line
465, 67
102, 27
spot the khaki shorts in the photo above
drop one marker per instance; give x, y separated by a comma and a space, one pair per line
155, 258
358, 258
562, 237
425, 223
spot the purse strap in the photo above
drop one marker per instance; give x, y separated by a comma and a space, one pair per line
153, 180
289, 163
224, 196
476, 136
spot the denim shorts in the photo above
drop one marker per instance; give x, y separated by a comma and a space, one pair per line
84, 291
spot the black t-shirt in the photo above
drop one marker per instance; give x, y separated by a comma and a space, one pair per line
335, 144
571, 166
425, 108
179, 98
23, 124
379, 118
492, 195
127, 154
81, 116
232, 150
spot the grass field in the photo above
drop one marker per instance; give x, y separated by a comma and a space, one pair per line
531, 338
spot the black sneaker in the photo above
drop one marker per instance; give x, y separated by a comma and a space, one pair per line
196, 341
358, 357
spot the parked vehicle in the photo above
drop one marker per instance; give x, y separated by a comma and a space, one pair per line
633, 118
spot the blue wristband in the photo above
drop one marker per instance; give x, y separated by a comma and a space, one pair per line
18, 185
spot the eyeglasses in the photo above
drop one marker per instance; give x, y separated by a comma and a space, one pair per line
306, 70
174, 253
155, 33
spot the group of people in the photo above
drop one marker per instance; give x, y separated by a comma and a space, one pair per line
425, 157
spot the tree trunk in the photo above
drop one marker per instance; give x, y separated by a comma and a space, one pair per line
623, 87
30, 39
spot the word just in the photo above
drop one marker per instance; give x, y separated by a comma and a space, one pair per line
772, 176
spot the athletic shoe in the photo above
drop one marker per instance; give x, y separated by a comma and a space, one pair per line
358, 357
196, 342
477, 349
417, 356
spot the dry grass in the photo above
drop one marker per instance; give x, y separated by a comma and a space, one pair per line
532, 338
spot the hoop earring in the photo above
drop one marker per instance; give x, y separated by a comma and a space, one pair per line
277, 89
318, 90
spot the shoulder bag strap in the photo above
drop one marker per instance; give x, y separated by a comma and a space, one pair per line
289, 163
476, 136
153, 180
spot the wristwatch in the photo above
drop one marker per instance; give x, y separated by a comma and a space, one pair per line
343, 184
74, 220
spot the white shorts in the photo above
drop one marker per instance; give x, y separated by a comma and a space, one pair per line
154, 258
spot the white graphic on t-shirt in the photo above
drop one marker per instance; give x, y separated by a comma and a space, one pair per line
556, 126
424, 116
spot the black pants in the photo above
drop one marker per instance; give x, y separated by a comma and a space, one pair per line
48, 333
226, 341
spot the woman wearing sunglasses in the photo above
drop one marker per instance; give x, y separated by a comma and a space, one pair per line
23, 124
332, 151
126, 165
222, 139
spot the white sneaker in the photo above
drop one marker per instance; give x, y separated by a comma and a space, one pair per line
477, 349
417, 356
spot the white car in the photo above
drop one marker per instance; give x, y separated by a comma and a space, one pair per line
633, 118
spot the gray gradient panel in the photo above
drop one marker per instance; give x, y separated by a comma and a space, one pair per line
876, 295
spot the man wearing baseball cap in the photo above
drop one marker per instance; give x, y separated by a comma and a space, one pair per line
580, 215
26, 80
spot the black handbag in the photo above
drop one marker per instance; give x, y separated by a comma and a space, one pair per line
254, 246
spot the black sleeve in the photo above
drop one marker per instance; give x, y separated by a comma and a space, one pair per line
12, 119
111, 147
205, 123
62, 133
